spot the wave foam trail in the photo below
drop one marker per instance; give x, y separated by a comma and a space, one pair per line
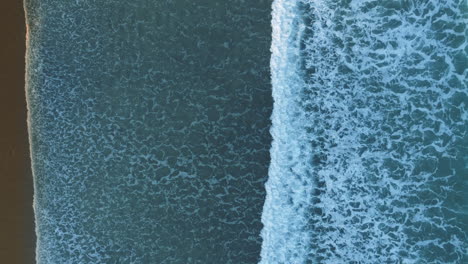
369, 133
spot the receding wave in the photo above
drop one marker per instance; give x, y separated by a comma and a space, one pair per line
369, 152
148, 127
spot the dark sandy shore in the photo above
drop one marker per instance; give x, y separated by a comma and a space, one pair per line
17, 236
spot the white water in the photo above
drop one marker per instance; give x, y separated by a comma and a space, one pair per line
369, 123
285, 232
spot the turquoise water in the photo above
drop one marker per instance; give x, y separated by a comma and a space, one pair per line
149, 129
159, 129
369, 155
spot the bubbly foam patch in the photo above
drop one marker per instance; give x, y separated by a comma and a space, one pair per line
369, 133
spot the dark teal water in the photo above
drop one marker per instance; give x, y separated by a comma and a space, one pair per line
149, 129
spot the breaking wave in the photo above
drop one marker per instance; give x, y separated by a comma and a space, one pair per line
369, 152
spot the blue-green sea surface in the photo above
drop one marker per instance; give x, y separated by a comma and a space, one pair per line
149, 127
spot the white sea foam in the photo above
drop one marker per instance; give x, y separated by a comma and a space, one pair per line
285, 235
368, 119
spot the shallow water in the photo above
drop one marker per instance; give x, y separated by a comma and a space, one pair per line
149, 129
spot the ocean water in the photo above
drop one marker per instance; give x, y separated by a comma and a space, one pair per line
149, 129
369, 160
158, 136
